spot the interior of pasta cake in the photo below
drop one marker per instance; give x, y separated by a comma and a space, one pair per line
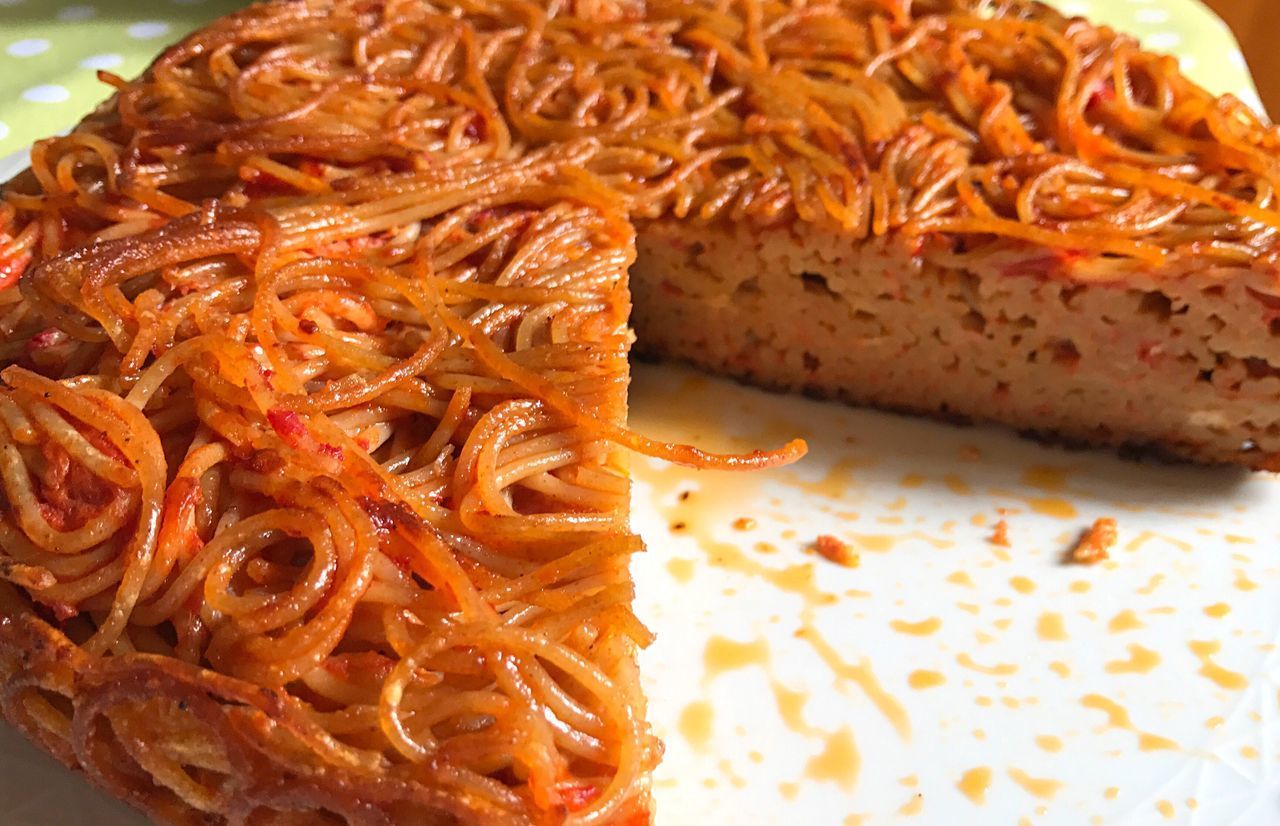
1178, 363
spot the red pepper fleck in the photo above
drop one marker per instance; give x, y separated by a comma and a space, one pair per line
62, 610
1104, 93
286, 423
45, 338
1149, 352
1052, 263
312, 167
577, 795
11, 269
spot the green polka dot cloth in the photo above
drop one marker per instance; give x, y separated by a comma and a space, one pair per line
50, 50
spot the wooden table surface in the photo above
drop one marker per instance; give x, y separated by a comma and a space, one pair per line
1256, 24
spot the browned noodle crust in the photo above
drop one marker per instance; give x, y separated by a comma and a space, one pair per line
267, 777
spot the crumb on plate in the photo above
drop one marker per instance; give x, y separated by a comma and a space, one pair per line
1095, 543
836, 551
1000, 534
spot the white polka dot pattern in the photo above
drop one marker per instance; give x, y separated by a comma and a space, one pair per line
75, 14
102, 61
46, 93
148, 30
28, 47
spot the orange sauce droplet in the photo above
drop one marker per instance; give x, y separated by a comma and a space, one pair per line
1051, 506
1022, 585
1151, 586
1118, 718
1126, 620
789, 790
1042, 788
912, 807
1146, 536
875, 543
961, 578
860, 675
1249, 752
912, 480
1243, 583
1154, 742
838, 762
697, 723
723, 654
923, 628
1218, 610
1049, 742
956, 485
834, 484
681, 570
974, 784
1060, 668
1045, 477
1112, 792
1141, 660
998, 670
1050, 627
735, 779
791, 708
1081, 586
1214, 722
1165, 808
1233, 539
921, 679
1204, 651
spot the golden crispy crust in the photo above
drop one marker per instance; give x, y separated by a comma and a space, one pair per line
106, 717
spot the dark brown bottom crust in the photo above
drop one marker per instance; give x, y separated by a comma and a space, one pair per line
138, 726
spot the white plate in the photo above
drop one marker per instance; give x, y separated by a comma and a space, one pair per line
1037, 655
